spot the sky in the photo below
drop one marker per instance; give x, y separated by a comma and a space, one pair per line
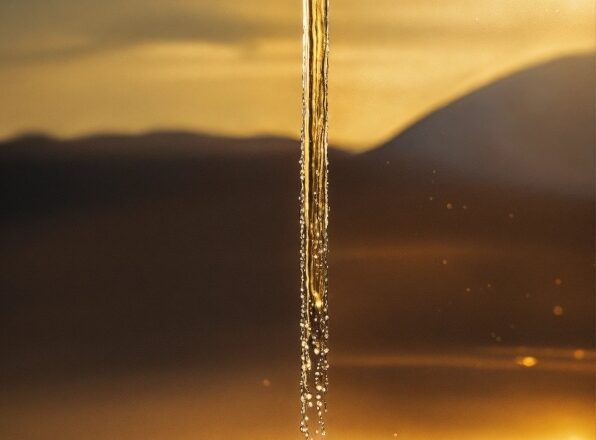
70, 68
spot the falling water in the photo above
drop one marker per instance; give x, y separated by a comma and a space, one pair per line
314, 318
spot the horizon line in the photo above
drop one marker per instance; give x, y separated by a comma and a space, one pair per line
341, 146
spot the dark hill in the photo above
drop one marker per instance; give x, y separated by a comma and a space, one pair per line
534, 129
124, 253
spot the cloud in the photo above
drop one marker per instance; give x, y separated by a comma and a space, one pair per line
93, 33
84, 27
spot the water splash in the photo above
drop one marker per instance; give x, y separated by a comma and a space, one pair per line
314, 214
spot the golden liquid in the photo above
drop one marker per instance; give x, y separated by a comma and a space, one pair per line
314, 318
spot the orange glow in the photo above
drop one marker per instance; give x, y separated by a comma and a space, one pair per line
579, 354
527, 361
191, 404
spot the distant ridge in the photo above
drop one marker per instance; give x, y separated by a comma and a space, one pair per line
153, 142
534, 128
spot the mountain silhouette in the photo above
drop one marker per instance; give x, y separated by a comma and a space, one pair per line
169, 248
534, 128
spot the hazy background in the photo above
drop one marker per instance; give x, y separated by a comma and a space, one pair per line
72, 67
149, 225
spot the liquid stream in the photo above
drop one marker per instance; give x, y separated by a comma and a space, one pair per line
314, 214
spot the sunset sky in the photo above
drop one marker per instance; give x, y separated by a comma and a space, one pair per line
150, 284
75, 67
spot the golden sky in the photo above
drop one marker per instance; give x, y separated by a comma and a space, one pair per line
75, 67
